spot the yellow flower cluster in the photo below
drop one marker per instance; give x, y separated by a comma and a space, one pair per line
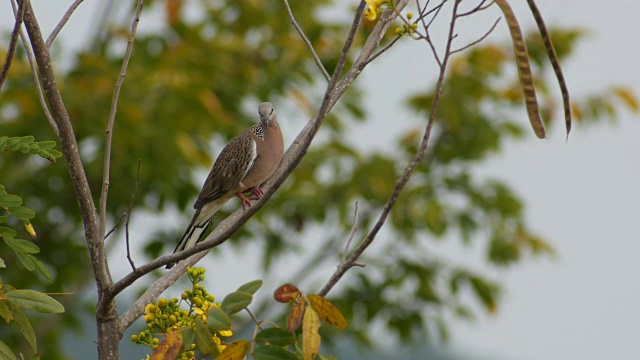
165, 316
406, 29
374, 8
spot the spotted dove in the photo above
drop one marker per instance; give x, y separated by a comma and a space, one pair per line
243, 165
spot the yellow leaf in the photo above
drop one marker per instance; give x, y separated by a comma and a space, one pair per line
310, 336
169, 347
30, 229
627, 97
327, 311
235, 351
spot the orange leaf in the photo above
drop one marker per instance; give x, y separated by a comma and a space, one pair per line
310, 336
286, 293
169, 347
235, 351
295, 316
327, 311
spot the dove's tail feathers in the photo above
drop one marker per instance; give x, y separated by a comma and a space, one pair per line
199, 224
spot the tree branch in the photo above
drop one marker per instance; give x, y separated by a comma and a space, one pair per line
12, 44
298, 149
106, 312
62, 23
406, 175
306, 41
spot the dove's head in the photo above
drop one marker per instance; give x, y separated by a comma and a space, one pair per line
266, 112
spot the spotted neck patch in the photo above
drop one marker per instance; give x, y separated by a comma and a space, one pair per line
258, 130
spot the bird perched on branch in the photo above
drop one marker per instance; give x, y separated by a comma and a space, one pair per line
243, 165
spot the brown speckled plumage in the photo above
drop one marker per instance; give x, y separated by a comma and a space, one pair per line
243, 165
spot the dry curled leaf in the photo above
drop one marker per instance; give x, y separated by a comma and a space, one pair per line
295, 316
286, 293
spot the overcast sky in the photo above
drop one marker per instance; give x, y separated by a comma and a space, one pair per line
582, 195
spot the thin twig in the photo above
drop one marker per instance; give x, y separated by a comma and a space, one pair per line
357, 19
478, 7
426, 25
126, 225
36, 78
116, 225
12, 44
478, 40
112, 116
406, 175
352, 233
255, 330
381, 51
62, 23
258, 323
306, 41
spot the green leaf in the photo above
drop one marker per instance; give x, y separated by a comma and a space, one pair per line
13, 143
20, 245
251, 287
485, 292
22, 212
5, 313
26, 260
436, 219
10, 201
218, 319
236, 301
28, 247
275, 336
6, 353
3, 219
23, 322
25, 148
55, 154
2, 264
273, 353
44, 270
204, 339
188, 338
34, 300
47, 145
5, 231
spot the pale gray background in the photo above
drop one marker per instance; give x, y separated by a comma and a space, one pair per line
583, 195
